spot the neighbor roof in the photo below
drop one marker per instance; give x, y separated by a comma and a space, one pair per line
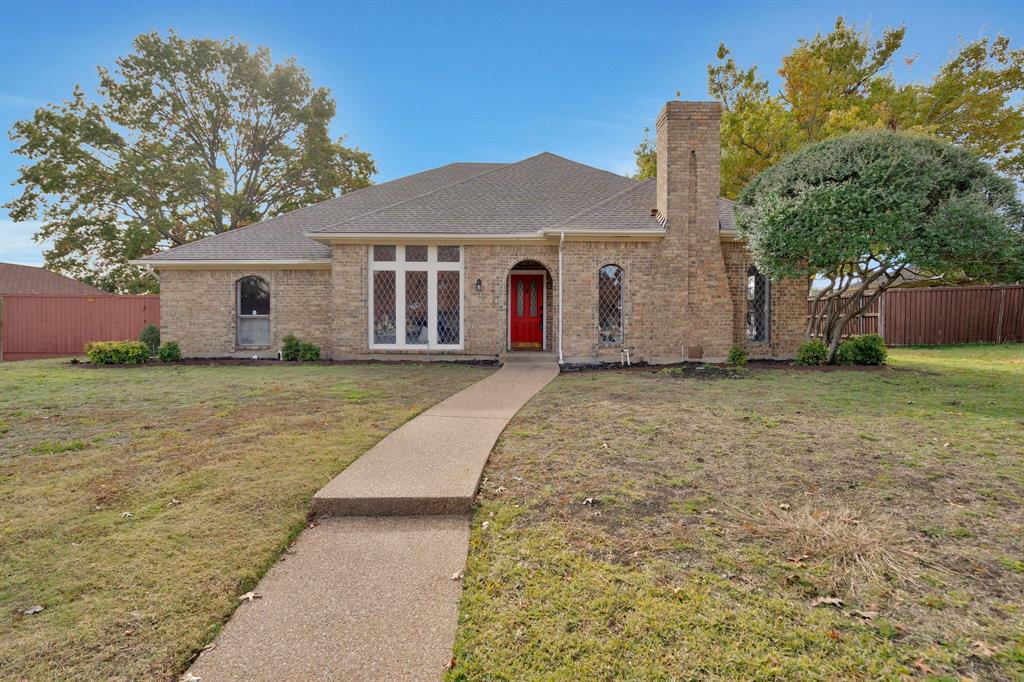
543, 193
26, 279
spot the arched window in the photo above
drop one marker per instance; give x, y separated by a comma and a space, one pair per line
253, 327
609, 304
758, 305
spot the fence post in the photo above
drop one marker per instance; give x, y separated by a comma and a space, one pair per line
999, 320
881, 316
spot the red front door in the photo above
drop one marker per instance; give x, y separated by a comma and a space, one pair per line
526, 300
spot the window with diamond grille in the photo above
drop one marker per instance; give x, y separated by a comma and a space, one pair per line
416, 313
758, 305
253, 327
385, 328
609, 304
416, 296
448, 308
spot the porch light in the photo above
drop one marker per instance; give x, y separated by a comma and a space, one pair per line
479, 285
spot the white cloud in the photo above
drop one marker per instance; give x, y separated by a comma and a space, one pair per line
17, 245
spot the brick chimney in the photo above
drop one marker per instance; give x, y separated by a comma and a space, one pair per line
692, 268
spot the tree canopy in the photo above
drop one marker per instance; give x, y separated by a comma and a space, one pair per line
865, 209
189, 138
843, 81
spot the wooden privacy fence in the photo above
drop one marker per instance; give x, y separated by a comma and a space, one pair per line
44, 326
940, 315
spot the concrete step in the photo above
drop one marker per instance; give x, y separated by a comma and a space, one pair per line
531, 356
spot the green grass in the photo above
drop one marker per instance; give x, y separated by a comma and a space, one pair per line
137, 504
644, 525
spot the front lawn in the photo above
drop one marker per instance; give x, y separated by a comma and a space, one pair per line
138, 504
763, 524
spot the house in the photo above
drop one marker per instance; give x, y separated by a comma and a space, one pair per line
26, 279
474, 260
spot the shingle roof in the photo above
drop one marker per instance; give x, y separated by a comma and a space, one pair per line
541, 193
25, 279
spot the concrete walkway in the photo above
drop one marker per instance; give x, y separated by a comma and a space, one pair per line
369, 594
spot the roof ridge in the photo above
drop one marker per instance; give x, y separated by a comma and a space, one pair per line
424, 194
587, 210
587, 165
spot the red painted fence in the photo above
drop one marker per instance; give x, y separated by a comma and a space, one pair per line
43, 326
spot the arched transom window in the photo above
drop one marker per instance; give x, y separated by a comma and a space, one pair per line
758, 305
609, 304
253, 325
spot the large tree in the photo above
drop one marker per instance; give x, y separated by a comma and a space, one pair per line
869, 208
189, 138
842, 81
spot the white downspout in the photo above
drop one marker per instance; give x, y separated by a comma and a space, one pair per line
560, 240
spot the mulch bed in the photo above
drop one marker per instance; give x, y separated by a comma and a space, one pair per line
247, 362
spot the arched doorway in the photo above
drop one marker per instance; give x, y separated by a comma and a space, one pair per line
528, 296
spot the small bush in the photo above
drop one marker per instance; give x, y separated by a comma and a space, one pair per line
813, 352
737, 356
117, 352
294, 349
169, 352
868, 349
291, 348
151, 337
308, 352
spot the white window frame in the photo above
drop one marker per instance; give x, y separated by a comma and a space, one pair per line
431, 266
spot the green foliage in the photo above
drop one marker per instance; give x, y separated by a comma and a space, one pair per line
151, 337
117, 352
188, 138
868, 349
646, 158
737, 356
169, 352
308, 352
842, 81
294, 349
812, 352
291, 348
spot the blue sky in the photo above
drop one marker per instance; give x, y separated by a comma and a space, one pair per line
423, 84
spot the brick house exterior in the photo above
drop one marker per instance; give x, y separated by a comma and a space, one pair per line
476, 260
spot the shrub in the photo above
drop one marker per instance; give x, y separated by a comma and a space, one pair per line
868, 349
117, 352
291, 348
308, 352
737, 356
169, 352
294, 349
813, 352
151, 337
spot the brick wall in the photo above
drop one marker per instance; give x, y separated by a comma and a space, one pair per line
198, 309
788, 308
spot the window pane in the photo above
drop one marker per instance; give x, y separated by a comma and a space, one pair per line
448, 307
253, 297
609, 304
533, 298
416, 324
758, 305
448, 254
519, 298
383, 254
384, 317
253, 331
415, 254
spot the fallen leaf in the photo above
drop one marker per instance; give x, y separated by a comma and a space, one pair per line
126, 515
590, 501
32, 610
501, 489
450, 664
784, 507
484, 525
834, 634
923, 667
518, 478
604, 446
982, 650
827, 601
174, 501
190, 677
250, 596
457, 575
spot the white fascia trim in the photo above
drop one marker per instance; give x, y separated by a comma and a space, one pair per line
310, 263
609, 235
420, 237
